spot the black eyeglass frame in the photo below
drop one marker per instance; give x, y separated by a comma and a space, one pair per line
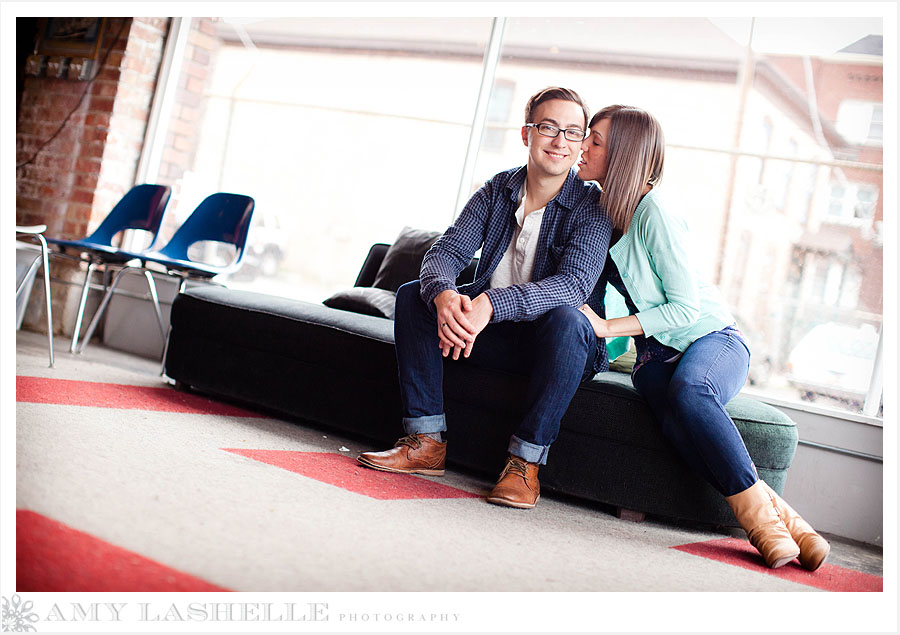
580, 135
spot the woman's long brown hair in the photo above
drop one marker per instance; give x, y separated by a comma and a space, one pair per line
636, 152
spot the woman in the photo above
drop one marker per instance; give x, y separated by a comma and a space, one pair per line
691, 358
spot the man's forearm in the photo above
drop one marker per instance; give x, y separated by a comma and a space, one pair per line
455, 248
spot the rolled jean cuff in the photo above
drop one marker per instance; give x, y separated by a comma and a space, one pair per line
528, 451
425, 425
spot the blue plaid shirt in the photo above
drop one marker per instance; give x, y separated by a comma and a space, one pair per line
572, 248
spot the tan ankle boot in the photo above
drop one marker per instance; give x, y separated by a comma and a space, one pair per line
756, 512
813, 548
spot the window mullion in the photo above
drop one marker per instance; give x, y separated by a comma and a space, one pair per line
491, 60
163, 101
876, 383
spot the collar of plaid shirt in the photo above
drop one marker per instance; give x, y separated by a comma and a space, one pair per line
568, 195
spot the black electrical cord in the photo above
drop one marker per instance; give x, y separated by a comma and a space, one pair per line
80, 99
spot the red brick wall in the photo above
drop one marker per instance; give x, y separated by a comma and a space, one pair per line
78, 176
134, 88
75, 180
835, 81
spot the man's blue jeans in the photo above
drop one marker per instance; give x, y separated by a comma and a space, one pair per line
688, 398
556, 350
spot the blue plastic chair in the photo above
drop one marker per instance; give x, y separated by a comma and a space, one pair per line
142, 208
221, 217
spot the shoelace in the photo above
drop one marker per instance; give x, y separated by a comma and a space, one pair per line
409, 440
516, 465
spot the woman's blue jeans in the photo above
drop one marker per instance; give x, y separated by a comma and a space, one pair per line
688, 399
555, 351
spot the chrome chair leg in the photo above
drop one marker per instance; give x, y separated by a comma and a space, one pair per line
45, 259
95, 321
162, 362
81, 306
159, 318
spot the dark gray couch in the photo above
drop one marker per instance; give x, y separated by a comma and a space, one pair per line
337, 368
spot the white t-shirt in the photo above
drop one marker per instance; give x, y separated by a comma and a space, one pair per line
518, 261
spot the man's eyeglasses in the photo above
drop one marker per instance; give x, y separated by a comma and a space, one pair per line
571, 134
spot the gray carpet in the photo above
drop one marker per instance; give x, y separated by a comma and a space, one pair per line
160, 484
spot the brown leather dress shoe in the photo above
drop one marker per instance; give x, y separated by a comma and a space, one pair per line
413, 454
518, 485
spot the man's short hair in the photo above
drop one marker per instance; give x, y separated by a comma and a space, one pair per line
554, 92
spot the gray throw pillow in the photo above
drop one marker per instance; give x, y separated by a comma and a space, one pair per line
365, 300
403, 259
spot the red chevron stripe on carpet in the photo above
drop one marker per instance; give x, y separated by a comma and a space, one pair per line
51, 556
344, 472
741, 553
69, 392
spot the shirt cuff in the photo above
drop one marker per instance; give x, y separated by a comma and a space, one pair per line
434, 289
652, 322
502, 310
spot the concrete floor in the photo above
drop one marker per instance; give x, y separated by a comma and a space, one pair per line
161, 485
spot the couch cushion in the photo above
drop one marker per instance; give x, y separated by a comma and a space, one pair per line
255, 310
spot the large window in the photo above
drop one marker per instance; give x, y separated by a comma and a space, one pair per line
343, 130
346, 130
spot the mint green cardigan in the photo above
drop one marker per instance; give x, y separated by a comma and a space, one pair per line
674, 305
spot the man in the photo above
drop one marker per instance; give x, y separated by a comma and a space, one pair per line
544, 242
